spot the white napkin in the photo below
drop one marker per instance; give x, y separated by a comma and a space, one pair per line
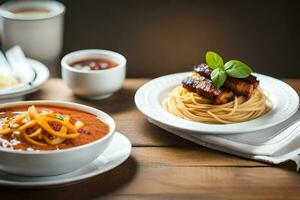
19, 64
274, 145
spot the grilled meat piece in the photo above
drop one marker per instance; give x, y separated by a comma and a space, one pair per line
205, 88
203, 69
190, 83
252, 79
240, 86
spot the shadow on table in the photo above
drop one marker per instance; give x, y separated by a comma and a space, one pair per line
289, 166
97, 186
119, 102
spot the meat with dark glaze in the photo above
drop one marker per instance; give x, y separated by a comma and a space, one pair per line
205, 88
240, 86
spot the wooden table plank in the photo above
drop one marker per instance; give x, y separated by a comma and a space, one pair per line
189, 157
153, 173
215, 182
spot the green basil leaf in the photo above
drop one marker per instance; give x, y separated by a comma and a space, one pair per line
214, 60
237, 69
218, 77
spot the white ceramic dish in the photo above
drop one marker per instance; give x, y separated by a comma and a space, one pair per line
115, 154
98, 84
149, 97
42, 75
47, 163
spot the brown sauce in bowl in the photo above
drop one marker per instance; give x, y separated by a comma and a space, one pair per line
93, 64
93, 129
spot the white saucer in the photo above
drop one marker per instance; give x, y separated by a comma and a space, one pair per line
115, 154
149, 99
42, 75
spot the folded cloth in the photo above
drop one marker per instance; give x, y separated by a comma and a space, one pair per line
274, 145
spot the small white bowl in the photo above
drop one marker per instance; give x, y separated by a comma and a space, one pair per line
98, 84
55, 162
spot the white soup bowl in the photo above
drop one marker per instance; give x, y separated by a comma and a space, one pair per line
55, 162
94, 84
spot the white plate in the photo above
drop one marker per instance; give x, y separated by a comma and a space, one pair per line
42, 75
115, 154
148, 99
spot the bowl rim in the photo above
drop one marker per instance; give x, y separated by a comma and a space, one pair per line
58, 9
66, 104
117, 55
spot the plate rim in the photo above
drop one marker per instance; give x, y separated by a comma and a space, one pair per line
141, 92
73, 179
36, 65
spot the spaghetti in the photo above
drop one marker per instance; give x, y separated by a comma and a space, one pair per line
189, 105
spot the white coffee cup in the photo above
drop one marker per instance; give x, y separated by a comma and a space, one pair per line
36, 26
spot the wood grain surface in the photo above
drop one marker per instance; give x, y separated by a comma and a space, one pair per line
164, 166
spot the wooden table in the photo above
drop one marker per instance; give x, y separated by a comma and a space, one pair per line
164, 166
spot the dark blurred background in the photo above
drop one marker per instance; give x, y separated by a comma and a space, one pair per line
165, 36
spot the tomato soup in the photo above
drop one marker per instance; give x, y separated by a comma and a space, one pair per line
93, 64
45, 127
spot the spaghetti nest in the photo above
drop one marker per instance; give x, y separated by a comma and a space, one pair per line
42, 129
189, 105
